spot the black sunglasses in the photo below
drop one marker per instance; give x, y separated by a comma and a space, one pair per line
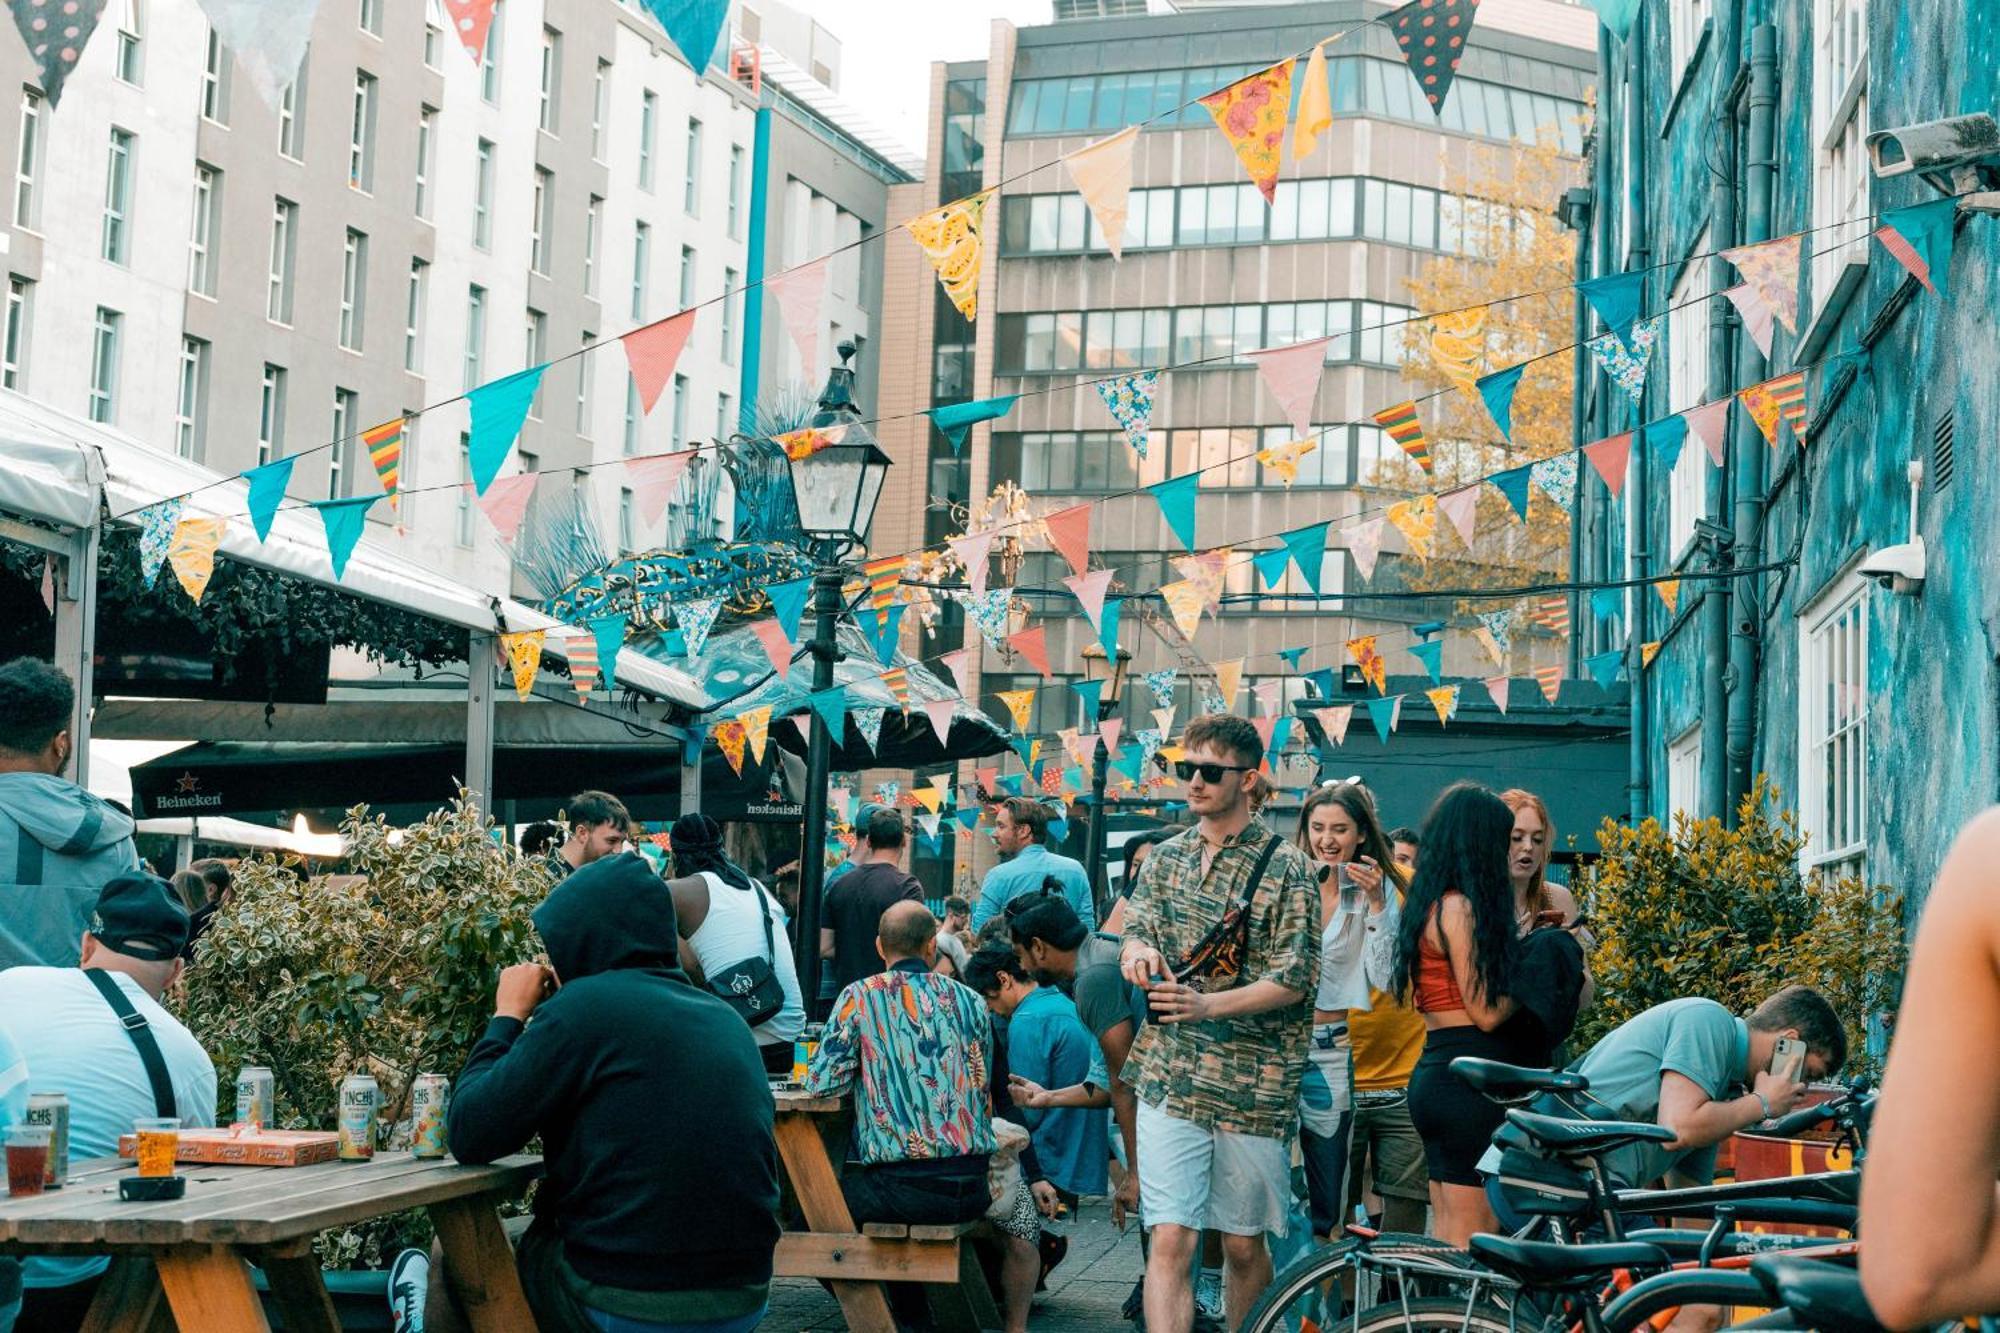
1184, 769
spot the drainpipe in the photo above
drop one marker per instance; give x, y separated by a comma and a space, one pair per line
1638, 518
752, 358
1584, 216
1747, 448
1583, 569
1727, 40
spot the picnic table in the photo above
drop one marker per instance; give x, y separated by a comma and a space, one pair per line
855, 1262
185, 1263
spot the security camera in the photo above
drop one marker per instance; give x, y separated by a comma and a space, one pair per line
1956, 155
1899, 568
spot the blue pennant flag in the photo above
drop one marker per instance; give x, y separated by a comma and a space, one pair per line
1011, 784
1604, 667
1382, 712
831, 705
888, 628
676, 642
1107, 626
1497, 390
1616, 299
1281, 733
1292, 657
1271, 565
343, 520
695, 27
1513, 484
267, 489
956, 420
1307, 547
498, 409
1321, 681
1058, 831
1607, 602
929, 842
1431, 654
788, 603
1131, 761
967, 817
1092, 693
1024, 747
1176, 499
609, 631
1665, 438
1927, 232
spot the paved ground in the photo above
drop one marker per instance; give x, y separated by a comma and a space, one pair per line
1085, 1293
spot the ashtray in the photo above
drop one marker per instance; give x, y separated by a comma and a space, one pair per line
152, 1189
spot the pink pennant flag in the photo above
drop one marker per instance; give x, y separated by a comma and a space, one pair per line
1033, 644
800, 292
470, 19
1497, 687
1111, 728
49, 583
1364, 543
1292, 375
971, 550
1267, 692
1264, 726
505, 503
1102, 174
1609, 457
1336, 719
1069, 533
1756, 312
1089, 590
802, 723
653, 352
654, 479
1709, 423
955, 663
776, 646
1462, 508
1771, 269
940, 712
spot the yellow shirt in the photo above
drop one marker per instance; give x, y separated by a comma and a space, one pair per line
1387, 1041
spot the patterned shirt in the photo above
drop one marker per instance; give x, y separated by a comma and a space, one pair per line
923, 1046
1236, 1074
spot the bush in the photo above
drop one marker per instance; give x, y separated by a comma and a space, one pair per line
1726, 914
387, 970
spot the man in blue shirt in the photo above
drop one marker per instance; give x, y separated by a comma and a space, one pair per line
1021, 829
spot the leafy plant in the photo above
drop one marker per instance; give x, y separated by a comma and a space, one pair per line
1726, 913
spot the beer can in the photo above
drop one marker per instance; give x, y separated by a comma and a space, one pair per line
804, 1049
360, 1099
256, 1097
430, 1095
52, 1109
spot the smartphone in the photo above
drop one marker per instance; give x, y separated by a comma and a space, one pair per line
1789, 1059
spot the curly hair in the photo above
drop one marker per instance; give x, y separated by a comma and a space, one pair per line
1465, 851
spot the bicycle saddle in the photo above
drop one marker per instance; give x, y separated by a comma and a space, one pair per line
1823, 1296
1512, 1083
1536, 1263
1584, 1138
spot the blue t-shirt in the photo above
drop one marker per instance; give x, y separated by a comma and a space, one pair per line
1024, 874
1048, 1044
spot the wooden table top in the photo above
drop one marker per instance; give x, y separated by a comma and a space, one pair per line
791, 1101
245, 1205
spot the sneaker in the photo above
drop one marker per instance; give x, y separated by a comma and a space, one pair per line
409, 1285
1134, 1309
1208, 1296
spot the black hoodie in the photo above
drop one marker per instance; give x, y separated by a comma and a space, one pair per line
648, 1094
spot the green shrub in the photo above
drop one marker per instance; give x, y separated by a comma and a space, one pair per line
1726, 914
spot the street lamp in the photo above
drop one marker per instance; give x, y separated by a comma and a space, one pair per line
837, 474
1098, 666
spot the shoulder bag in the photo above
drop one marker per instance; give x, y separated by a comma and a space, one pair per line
751, 987
1217, 960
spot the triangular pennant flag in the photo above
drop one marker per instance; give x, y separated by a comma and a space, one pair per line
1271, 564
1775, 401
885, 577
55, 34
956, 663
1670, 593
968, 817
385, 450
1164, 719
191, 552
1604, 667
1385, 713
267, 490
1110, 729
1176, 498
1209, 571
1458, 346
1616, 299
1102, 174
1161, 683
1107, 626
1665, 438
940, 711
950, 239
1771, 269
1263, 725
1089, 592
1069, 533
1364, 543
1921, 237
1281, 735
776, 646
868, 721
1321, 682
831, 706
1129, 399
1268, 693
956, 420
156, 534
1445, 700
653, 482
1185, 601
1647, 652
1402, 425
695, 27
1283, 459
1292, 375
343, 520
732, 738
1607, 602
1609, 457
498, 409
471, 20
1307, 548
581, 651
1616, 15
799, 293
1497, 687
1549, 678
1484, 638
1251, 113
1072, 743
505, 502
972, 550
1020, 704
524, 659
989, 611
1431, 654
697, 617
1757, 316
897, 682
1431, 34
1462, 508
788, 604
1335, 720
1229, 682
654, 351
1315, 105
1625, 360
1556, 476
1500, 624
1552, 614
1497, 392
1417, 520
1709, 423
1513, 484
756, 730
1033, 644
1292, 657
1091, 694
267, 37
1011, 784
1374, 668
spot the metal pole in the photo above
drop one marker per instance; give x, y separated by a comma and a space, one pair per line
76, 640
479, 719
1713, 797
1095, 868
819, 759
1638, 553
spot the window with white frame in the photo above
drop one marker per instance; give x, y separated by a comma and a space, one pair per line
412, 422
215, 80
600, 109
346, 422
475, 334
732, 308
537, 350
371, 17
292, 116
689, 267
353, 289
642, 256
542, 224
735, 191
1839, 127
489, 60
681, 393
415, 303
464, 488
725, 416
28, 162
118, 170
20, 320
271, 415
1687, 385
433, 35
205, 231
593, 219
482, 196
649, 122
284, 255
1685, 19
627, 534
691, 193
634, 414
361, 135
583, 372
191, 408
1684, 774
551, 87
104, 338
1833, 724
129, 62
426, 158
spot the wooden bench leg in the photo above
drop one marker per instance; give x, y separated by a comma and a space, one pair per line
955, 1306
210, 1290
298, 1289
864, 1304
972, 1281
479, 1266
129, 1300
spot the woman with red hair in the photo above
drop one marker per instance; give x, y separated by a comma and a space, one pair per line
1536, 901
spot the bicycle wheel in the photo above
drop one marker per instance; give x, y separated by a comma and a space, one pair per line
1437, 1315
1315, 1292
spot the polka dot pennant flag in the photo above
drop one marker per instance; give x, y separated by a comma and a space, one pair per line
1432, 36
55, 32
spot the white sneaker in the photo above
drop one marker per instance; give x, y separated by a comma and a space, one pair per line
409, 1286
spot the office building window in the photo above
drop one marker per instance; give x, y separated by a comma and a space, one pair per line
353, 289
725, 416
634, 414
1833, 725
600, 108
691, 194
433, 35
649, 117
489, 61
583, 374
1841, 172
292, 117
361, 135
284, 253
482, 196
475, 334
551, 88
346, 417
20, 320
426, 158
406, 511
681, 392
627, 540
215, 80
1687, 386
687, 284
191, 409
735, 191
1215, 336
28, 162
465, 488
542, 223
205, 230
271, 415
104, 338
128, 63
118, 195
642, 252
732, 311
417, 300
537, 350
371, 17
593, 219
1686, 19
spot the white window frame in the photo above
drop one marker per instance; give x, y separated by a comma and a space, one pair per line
731, 312
735, 210
725, 417
284, 261
548, 117
489, 59
371, 17
1687, 386
649, 127
537, 349
123, 145
1684, 775
1685, 19
1841, 193
271, 413
426, 159
482, 194
215, 80
129, 65
682, 392
691, 192
690, 272
464, 489
433, 36
190, 408
1833, 724
642, 260
583, 366
634, 415
346, 427
361, 134
600, 109
28, 160
542, 221
353, 290
19, 327
205, 231
105, 333
292, 117
416, 299
475, 335
593, 221
627, 527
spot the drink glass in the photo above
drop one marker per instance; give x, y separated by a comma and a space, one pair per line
1353, 902
27, 1159
159, 1140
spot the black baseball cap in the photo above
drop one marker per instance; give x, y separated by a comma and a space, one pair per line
138, 915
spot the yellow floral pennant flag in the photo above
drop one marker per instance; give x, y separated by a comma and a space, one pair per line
1417, 520
1229, 682
1670, 593
730, 738
1315, 104
1019, 704
1283, 459
1373, 665
1185, 599
1458, 346
756, 730
524, 658
192, 552
1647, 652
1251, 113
950, 237
1445, 699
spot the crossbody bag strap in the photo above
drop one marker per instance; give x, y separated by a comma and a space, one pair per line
141, 1032
1257, 874
764, 911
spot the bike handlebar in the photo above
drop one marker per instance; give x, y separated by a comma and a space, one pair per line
1806, 1117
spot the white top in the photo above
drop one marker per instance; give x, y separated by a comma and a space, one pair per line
731, 934
1357, 951
72, 1042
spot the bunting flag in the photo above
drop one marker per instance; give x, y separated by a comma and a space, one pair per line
756, 730
1129, 399
55, 34
1920, 238
1385, 713
1757, 316
800, 292
1458, 345
1283, 459
1268, 693
731, 737
1161, 683
1445, 700
1315, 105
498, 409
343, 521
1264, 724
1307, 548
267, 37
808, 440
653, 481
1513, 484
956, 420
1556, 476
1484, 638
885, 578
1402, 426
940, 713
788, 604
156, 534
1033, 644
1176, 499
1461, 507
1251, 113
1072, 742
830, 706
1665, 438
697, 617
1497, 392
1647, 652
1320, 682
1617, 299
1185, 601
1089, 693
1609, 457
1552, 614
1229, 682
1778, 400
1089, 589
1770, 269
1670, 593
1416, 519
505, 503
1709, 423
1497, 687
1020, 704
776, 646
1373, 667
1625, 361
1107, 626
1209, 571
1550, 680
695, 27
1606, 602
1431, 654
1616, 16
868, 721
1292, 375
950, 238
470, 19
267, 486
1432, 36
1163, 718
971, 551
1069, 533
191, 551
955, 662
888, 630
897, 682
1500, 624
988, 610
1102, 174
1110, 729
581, 652
1335, 719
653, 351
1604, 668
524, 658
1292, 657
1271, 565
1364, 544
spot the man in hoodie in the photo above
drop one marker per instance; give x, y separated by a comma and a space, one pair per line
59, 844
638, 1225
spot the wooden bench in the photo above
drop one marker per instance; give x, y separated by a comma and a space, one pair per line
940, 1258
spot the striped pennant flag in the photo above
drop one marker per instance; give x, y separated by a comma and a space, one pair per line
385, 451
1775, 401
884, 575
1405, 429
1552, 614
581, 650
898, 683
1550, 678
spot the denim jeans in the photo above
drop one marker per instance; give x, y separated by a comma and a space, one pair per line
938, 1192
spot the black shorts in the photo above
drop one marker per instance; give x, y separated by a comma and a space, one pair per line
1456, 1123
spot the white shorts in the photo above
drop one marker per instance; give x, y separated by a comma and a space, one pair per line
1189, 1176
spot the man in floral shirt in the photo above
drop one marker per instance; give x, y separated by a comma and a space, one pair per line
1229, 983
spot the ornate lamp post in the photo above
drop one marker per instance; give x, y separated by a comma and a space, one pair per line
1097, 666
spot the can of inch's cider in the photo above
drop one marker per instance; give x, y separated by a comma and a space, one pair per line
256, 1097
804, 1049
430, 1094
360, 1099
52, 1109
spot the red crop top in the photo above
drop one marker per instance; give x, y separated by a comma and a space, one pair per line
1437, 987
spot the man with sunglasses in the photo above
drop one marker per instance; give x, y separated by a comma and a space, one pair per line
1222, 933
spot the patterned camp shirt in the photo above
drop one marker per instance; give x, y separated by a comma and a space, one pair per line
1239, 1075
